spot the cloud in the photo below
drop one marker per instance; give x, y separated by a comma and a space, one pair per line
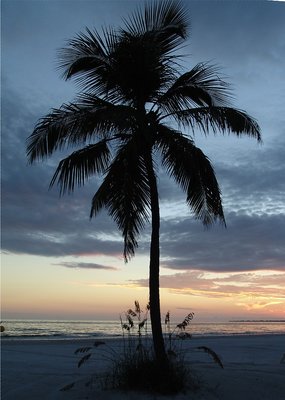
198, 283
82, 265
258, 305
36, 221
250, 242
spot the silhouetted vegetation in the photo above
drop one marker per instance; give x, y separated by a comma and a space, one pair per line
134, 100
134, 366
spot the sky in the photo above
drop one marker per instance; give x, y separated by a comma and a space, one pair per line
57, 264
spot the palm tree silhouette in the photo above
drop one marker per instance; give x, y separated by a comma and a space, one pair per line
128, 117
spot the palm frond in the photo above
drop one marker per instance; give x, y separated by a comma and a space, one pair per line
199, 87
51, 132
78, 123
75, 169
132, 63
87, 57
118, 118
219, 119
168, 20
125, 194
192, 170
146, 50
141, 69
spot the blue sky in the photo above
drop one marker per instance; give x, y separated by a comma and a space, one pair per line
247, 39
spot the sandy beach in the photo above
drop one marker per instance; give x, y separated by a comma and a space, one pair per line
254, 368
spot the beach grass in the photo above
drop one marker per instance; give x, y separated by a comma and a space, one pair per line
134, 366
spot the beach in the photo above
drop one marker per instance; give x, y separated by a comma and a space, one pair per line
254, 368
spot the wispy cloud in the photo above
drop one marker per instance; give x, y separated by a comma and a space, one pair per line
199, 283
258, 305
82, 265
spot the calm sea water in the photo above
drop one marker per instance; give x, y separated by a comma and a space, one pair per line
36, 329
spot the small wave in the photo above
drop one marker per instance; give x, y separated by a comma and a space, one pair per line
7, 335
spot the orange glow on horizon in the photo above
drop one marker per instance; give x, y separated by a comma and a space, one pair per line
44, 288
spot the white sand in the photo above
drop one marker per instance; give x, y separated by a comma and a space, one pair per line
253, 370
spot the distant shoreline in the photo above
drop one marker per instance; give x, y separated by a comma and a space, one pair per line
279, 321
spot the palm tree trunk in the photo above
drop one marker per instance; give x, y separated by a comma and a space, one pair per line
154, 298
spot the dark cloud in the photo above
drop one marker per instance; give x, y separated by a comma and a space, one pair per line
36, 221
250, 242
82, 265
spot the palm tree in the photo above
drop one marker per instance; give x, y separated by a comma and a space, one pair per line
128, 117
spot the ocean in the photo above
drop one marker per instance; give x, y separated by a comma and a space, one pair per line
46, 329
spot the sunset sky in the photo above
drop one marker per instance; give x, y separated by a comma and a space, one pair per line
58, 264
